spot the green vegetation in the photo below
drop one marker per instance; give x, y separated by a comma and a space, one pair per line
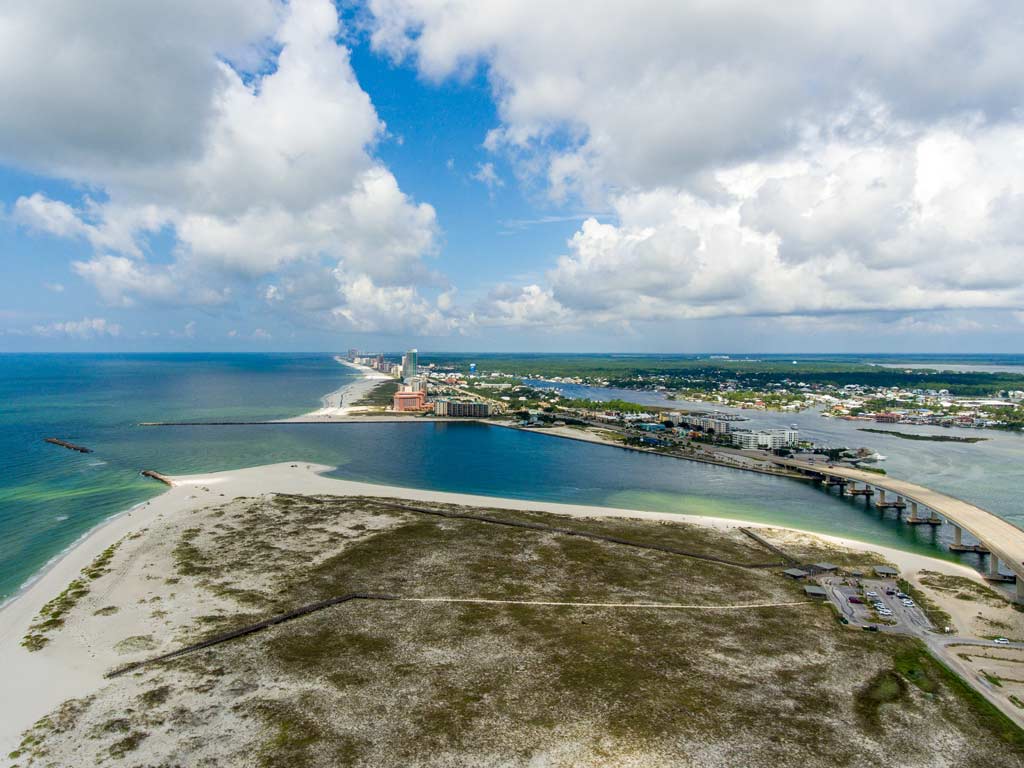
962, 588
740, 397
992, 679
886, 687
611, 405
384, 683
704, 373
382, 394
52, 615
915, 665
135, 643
155, 696
869, 468
630, 675
935, 614
932, 438
129, 743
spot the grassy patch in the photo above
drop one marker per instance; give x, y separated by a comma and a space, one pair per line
52, 615
135, 644
382, 394
154, 697
917, 666
886, 687
936, 615
296, 736
129, 743
993, 679
962, 588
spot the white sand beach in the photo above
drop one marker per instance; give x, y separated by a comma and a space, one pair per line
74, 663
341, 402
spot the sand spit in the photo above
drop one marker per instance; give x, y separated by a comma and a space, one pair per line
341, 402
73, 667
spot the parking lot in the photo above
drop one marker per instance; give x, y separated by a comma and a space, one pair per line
855, 599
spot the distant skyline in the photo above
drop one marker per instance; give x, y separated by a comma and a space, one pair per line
511, 176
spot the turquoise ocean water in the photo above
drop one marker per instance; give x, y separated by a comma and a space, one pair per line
50, 497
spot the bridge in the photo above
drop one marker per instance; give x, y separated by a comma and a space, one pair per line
1002, 541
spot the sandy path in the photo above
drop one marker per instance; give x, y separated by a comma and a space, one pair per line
648, 606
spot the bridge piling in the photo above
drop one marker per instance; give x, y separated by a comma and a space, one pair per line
999, 538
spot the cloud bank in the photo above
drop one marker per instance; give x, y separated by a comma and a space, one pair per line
239, 129
785, 160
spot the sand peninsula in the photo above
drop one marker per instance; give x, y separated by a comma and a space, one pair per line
342, 401
432, 682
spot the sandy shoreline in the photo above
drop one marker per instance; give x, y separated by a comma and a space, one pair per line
341, 402
36, 682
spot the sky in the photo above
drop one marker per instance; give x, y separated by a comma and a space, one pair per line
511, 175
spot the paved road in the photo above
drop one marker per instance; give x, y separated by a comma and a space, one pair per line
1002, 538
912, 622
939, 645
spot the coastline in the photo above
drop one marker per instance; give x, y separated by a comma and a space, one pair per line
39, 681
333, 404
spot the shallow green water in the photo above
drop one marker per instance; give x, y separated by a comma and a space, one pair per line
49, 496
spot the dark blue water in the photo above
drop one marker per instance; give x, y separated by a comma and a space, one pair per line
50, 496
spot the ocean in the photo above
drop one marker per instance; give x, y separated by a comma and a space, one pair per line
50, 497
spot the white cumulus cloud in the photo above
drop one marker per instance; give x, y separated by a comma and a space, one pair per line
798, 159
271, 166
86, 328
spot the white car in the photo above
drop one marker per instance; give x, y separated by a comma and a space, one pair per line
908, 603
1001, 641
871, 594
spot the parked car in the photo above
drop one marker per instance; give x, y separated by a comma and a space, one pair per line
869, 593
854, 599
870, 628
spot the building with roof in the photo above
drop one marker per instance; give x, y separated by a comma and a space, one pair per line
765, 439
469, 409
813, 590
409, 401
795, 573
410, 364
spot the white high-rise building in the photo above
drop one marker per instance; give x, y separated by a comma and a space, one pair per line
410, 365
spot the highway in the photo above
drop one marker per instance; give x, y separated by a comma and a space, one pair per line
1003, 539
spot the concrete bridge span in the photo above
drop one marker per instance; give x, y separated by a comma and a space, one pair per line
1003, 540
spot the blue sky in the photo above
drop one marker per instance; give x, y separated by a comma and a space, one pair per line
666, 177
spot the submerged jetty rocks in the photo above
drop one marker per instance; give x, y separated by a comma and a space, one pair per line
66, 444
331, 630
